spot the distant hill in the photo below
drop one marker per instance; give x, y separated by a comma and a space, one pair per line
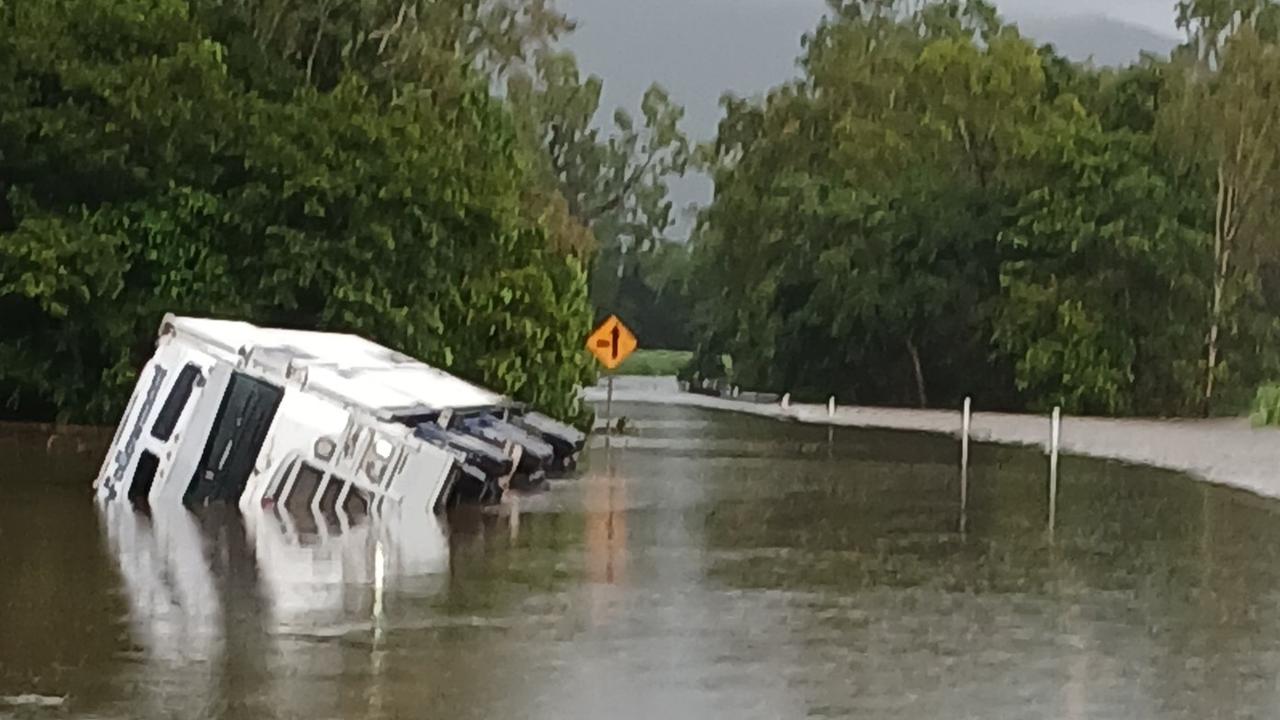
1104, 41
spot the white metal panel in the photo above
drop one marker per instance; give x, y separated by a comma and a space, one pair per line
133, 437
190, 436
361, 372
349, 382
300, 421
424, 478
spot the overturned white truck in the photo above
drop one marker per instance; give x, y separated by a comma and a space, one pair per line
318, 422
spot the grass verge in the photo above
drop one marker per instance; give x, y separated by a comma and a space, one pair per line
655, 362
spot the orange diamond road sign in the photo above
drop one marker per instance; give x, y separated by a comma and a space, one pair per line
612, 342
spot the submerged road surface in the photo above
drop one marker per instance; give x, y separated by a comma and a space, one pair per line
1227, 451
708, 565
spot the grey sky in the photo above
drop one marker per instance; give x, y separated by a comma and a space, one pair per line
1157, 15
699, 49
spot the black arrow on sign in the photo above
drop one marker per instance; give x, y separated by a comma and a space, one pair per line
615, 342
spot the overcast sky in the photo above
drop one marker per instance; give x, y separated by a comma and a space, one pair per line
699, 49
1157, 15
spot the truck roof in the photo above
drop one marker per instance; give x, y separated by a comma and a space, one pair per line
346, 367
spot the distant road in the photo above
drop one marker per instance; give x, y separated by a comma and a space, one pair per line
1224, 451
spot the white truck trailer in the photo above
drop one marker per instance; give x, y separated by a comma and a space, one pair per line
318, 422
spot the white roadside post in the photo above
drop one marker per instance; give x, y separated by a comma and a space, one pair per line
831, 426
965, 425
1055, 437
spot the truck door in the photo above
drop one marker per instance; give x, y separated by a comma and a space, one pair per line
239, 429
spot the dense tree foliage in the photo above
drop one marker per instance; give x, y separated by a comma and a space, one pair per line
939, 207
936, 207
609, 188
308, 164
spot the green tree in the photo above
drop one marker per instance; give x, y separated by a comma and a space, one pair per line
856, 211
390, 43
614, 183
937, 207
1101, 278
147, 170
1222, 118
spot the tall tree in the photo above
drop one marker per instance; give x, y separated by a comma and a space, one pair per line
857, 209
936, 207
614, 180
1100, 285
390, 43
1223, 117
151, 168
608, 186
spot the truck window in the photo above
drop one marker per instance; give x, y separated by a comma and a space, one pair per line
144, 475
298, 503
167, 419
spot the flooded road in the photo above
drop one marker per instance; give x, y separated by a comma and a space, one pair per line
705, 565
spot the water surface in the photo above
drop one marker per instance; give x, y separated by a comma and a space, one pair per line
704, 565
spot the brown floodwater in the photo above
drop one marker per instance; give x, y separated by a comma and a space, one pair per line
704, 565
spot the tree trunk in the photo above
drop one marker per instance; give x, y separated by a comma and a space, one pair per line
315, 43
919, 373
1224, 231
1215, 324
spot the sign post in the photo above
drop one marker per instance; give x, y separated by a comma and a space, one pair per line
608, 406
611, 343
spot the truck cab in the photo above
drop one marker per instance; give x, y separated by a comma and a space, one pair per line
212, 420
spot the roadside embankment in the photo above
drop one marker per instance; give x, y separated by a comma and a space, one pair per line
1225, 451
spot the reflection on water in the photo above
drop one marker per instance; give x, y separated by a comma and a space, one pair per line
703, 565
218, 603
605, 537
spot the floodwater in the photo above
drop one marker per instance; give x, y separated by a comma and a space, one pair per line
705, 565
